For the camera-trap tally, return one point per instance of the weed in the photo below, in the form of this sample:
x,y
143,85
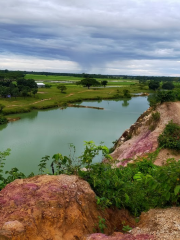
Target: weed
x,y
170,138
126,228
101,224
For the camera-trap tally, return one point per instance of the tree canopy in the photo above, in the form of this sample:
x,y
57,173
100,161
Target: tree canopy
x,y
62,88
168,85
88,82
104,83
154,85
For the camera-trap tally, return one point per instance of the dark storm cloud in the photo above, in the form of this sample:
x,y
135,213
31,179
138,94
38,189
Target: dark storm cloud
x,y
92,34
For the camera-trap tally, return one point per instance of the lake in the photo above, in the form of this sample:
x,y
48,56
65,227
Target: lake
x,y
47,132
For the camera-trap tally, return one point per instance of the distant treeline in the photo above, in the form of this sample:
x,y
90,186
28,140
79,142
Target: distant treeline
x,y
12,75
13,83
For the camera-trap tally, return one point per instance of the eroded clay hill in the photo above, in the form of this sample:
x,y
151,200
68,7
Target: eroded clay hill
x,y
143,140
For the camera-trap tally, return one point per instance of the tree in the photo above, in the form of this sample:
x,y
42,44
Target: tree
x,y
1,107
48,85
168,85
154,85
104,83
34,91
15,92
126,93
24,93
4,91
62,88
88,82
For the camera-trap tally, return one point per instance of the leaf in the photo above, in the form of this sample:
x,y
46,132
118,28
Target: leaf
x,y
127,198
138,176
176,190
168,196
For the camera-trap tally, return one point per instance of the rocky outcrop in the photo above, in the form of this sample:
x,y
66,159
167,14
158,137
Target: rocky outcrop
x,y
142,137
54,207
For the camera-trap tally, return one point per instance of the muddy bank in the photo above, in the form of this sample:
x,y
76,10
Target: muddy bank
x,y
81,106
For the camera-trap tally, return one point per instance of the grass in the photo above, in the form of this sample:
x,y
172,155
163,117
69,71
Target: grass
x,y
47,78
52,97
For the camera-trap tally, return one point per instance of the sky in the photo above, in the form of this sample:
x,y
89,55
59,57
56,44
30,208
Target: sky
x,y
117,37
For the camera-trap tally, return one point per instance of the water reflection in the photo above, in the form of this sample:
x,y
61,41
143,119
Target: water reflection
x,y
125,103
32,116
3,126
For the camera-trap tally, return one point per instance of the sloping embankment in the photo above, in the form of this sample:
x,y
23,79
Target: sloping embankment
x,y
139,140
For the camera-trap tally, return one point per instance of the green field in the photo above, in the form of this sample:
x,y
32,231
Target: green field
x,y
49,78
52,97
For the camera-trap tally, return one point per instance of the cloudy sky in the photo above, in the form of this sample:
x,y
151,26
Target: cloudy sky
x,y
133,37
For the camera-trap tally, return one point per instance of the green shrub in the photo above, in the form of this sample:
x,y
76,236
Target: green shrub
x,y
3,120
170,138
138,187
166,96
155,116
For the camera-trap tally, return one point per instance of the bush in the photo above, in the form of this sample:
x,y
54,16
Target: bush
x,y
170,138
166,96
137,187
163,96
155,116
168,85
3,120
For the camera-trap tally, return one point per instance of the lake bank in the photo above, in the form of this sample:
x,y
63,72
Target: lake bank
x,y
46,132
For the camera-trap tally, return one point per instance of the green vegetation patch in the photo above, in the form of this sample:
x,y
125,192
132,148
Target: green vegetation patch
x,y
170,138
3,120
138,187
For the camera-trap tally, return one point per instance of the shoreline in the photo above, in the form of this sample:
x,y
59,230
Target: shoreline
x,y
72,103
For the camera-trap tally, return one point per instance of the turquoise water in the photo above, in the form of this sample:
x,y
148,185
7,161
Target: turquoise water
x,y
41,133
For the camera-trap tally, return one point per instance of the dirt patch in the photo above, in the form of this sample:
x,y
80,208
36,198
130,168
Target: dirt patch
x,y
71,94
163,224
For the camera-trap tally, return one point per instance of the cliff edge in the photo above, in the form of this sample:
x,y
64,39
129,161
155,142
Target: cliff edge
x,y
142,137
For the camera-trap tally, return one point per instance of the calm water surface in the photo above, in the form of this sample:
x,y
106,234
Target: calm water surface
x,y
41,133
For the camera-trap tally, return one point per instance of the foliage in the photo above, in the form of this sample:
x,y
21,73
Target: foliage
x,y
34,91
12,174
71,164
104,83
3,120
62,88
88,82
170,138
48,85
163,96
43,164
153,121
126,93
126,228
166,96
156,116
154,85
3,156
101,224
21,87
138,187
168,85
1,107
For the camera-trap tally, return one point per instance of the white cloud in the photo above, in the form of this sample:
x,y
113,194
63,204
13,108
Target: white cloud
x,y
14,62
